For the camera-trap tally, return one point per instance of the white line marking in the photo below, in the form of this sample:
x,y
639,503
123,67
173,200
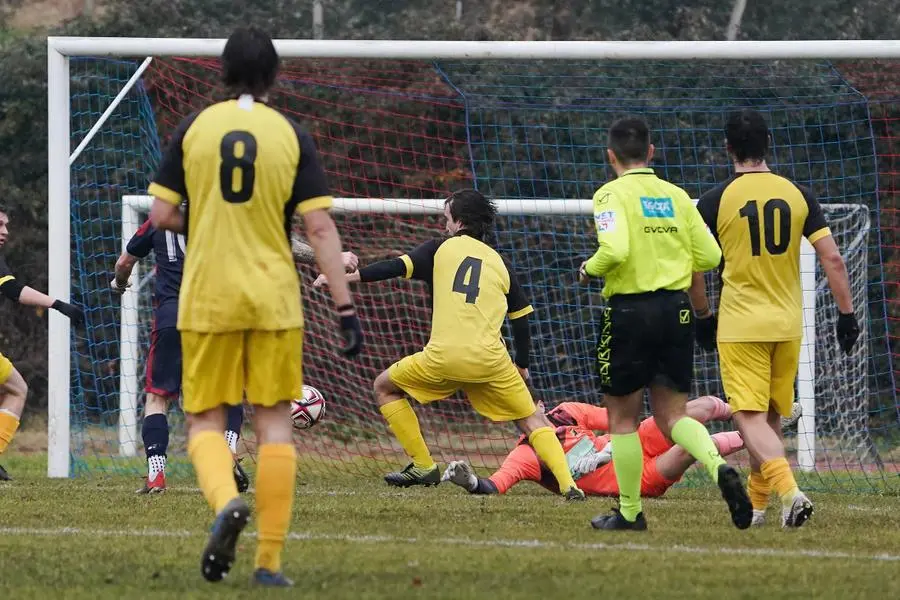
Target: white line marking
x,y
490,543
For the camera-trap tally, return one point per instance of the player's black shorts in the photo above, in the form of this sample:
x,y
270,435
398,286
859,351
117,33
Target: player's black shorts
x,y
164,363
646,339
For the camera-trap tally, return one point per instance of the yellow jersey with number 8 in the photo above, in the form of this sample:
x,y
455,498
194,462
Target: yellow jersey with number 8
x,y
243,169
759,220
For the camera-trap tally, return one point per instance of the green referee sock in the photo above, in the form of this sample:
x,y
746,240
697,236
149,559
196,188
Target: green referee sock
x,y
628,462
693,437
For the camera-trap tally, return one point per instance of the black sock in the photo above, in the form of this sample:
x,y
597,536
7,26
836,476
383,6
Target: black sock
x,y
155,433
233,426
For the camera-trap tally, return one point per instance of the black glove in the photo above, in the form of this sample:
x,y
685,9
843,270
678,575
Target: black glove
x,y
847,331
705,330
75,314
351,332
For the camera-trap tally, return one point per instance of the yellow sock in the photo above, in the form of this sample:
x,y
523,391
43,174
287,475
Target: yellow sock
x,y
402,419
759,490
546,445
213,464
778,473
9,423
275,475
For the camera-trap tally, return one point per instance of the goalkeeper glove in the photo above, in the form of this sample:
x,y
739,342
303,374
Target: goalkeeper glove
x,y
75,314
847,331
460,473
589,463
705,331
351,331
119,289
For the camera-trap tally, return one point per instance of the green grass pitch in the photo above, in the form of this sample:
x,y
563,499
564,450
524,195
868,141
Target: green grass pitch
x,y
92,537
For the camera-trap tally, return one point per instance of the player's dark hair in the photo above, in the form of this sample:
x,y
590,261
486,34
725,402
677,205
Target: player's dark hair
x,y
249,61
629,139
474,211
747,135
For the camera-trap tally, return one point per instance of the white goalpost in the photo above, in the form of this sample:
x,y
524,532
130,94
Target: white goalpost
x,y
61,156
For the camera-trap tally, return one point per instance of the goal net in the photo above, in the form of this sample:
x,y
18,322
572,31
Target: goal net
x,y
397,135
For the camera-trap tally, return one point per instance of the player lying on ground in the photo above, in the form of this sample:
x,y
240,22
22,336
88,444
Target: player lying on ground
x,y
163,381
650,241
245,170
761,303
590,454
13,389
473,289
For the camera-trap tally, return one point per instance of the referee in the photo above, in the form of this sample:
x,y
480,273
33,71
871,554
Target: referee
x,y
651,241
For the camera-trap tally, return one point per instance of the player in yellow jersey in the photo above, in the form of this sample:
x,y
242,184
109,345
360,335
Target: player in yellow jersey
x,y
245,170
759,219
13,389
651,240
473,289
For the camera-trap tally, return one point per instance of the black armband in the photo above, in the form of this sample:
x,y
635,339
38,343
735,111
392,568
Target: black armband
x,y
12,289
384,269
522,338
485,487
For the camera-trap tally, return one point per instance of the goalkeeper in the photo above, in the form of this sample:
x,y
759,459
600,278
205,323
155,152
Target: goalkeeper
x,y
651,238
590,455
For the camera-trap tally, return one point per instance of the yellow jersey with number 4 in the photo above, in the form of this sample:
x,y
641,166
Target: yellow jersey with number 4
x,y
243,169
473,290
759,220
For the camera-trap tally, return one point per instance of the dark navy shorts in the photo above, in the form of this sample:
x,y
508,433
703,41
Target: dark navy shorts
x,y
164,363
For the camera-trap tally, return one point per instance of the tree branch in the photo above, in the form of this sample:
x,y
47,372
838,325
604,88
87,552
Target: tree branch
x,y
737,14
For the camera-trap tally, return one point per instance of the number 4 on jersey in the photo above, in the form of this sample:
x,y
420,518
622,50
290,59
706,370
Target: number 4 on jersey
x,y
467,277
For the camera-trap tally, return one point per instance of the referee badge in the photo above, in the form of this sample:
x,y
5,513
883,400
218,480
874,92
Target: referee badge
x,y
684,317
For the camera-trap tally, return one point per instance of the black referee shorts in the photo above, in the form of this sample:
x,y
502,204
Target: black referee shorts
x,y
646,339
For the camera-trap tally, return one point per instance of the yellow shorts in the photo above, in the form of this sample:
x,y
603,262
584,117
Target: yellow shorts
x,y
504,398
220,367
6,369
759,375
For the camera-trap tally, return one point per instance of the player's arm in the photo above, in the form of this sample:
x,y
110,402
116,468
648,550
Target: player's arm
x,y
705,251
612,235
138,247
416,264
816,230
312,198
705,226
518,308
168,187
587,416
304,254
13,289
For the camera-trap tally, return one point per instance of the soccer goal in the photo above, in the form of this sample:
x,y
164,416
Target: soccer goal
x,y
401,123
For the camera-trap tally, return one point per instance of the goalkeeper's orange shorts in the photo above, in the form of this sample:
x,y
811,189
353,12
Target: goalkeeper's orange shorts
x,y
759,375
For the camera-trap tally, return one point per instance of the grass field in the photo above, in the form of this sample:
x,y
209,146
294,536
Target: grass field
x,y
354,538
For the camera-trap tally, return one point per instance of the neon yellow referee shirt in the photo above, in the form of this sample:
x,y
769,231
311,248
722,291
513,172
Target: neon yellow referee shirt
x,y
651,236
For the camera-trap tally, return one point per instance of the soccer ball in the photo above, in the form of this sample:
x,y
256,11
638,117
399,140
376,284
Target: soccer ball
x,y
308,410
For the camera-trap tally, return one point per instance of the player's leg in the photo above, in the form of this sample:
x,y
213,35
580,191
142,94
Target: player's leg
x,y
13,392
624,373
234,420
796,506
155,435
213,379
542,438
163,384
274,378
410,376
708,408
759,490
668,399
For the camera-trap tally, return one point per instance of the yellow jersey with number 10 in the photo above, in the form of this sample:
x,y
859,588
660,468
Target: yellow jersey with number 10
x,y
759,220
243,168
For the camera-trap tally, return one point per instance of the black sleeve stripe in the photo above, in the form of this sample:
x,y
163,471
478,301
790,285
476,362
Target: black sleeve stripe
x,y
815,218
